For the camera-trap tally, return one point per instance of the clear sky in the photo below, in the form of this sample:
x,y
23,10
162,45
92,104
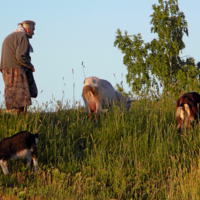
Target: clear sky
x,y
69,32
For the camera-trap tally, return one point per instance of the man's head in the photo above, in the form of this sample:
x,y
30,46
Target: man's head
x,y
29,26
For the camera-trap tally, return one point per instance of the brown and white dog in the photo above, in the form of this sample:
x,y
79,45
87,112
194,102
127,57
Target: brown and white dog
x,y
187,109
19,146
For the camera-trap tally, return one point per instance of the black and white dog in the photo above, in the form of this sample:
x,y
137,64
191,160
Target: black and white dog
x,y
21,145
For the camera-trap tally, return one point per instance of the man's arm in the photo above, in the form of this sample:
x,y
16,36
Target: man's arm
x,y
22,53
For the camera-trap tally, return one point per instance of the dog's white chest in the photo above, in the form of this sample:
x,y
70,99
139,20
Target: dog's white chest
x,y
21,154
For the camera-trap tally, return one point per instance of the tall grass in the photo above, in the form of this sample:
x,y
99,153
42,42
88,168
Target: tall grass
x,y
135,155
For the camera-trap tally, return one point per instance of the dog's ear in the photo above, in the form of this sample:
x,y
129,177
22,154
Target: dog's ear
x,y
37,135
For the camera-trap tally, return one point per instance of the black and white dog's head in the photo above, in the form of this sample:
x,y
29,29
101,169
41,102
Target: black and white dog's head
x,y
19,146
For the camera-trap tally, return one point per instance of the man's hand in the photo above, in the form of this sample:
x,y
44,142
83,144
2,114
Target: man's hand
x,y
32,68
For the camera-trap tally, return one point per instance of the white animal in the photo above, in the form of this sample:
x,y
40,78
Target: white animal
x,y
20,145
99,94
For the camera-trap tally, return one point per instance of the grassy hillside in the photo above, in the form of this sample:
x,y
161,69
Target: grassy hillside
x,y
139,155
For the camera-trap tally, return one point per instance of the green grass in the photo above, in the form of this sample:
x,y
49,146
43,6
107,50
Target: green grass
x,y
139,155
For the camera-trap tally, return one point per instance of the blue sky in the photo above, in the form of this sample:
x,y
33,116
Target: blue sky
x,y
70,32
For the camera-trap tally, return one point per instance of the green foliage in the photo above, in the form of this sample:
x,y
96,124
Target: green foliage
x,y
157,67
135,155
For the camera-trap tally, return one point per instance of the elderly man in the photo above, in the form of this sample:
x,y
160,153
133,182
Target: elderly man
x,y
17,69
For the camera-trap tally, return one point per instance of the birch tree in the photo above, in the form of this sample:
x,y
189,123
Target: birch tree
x,y
156,67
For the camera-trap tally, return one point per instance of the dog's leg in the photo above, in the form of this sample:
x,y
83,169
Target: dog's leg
x,y
28,160
35,164
35,160
4,166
